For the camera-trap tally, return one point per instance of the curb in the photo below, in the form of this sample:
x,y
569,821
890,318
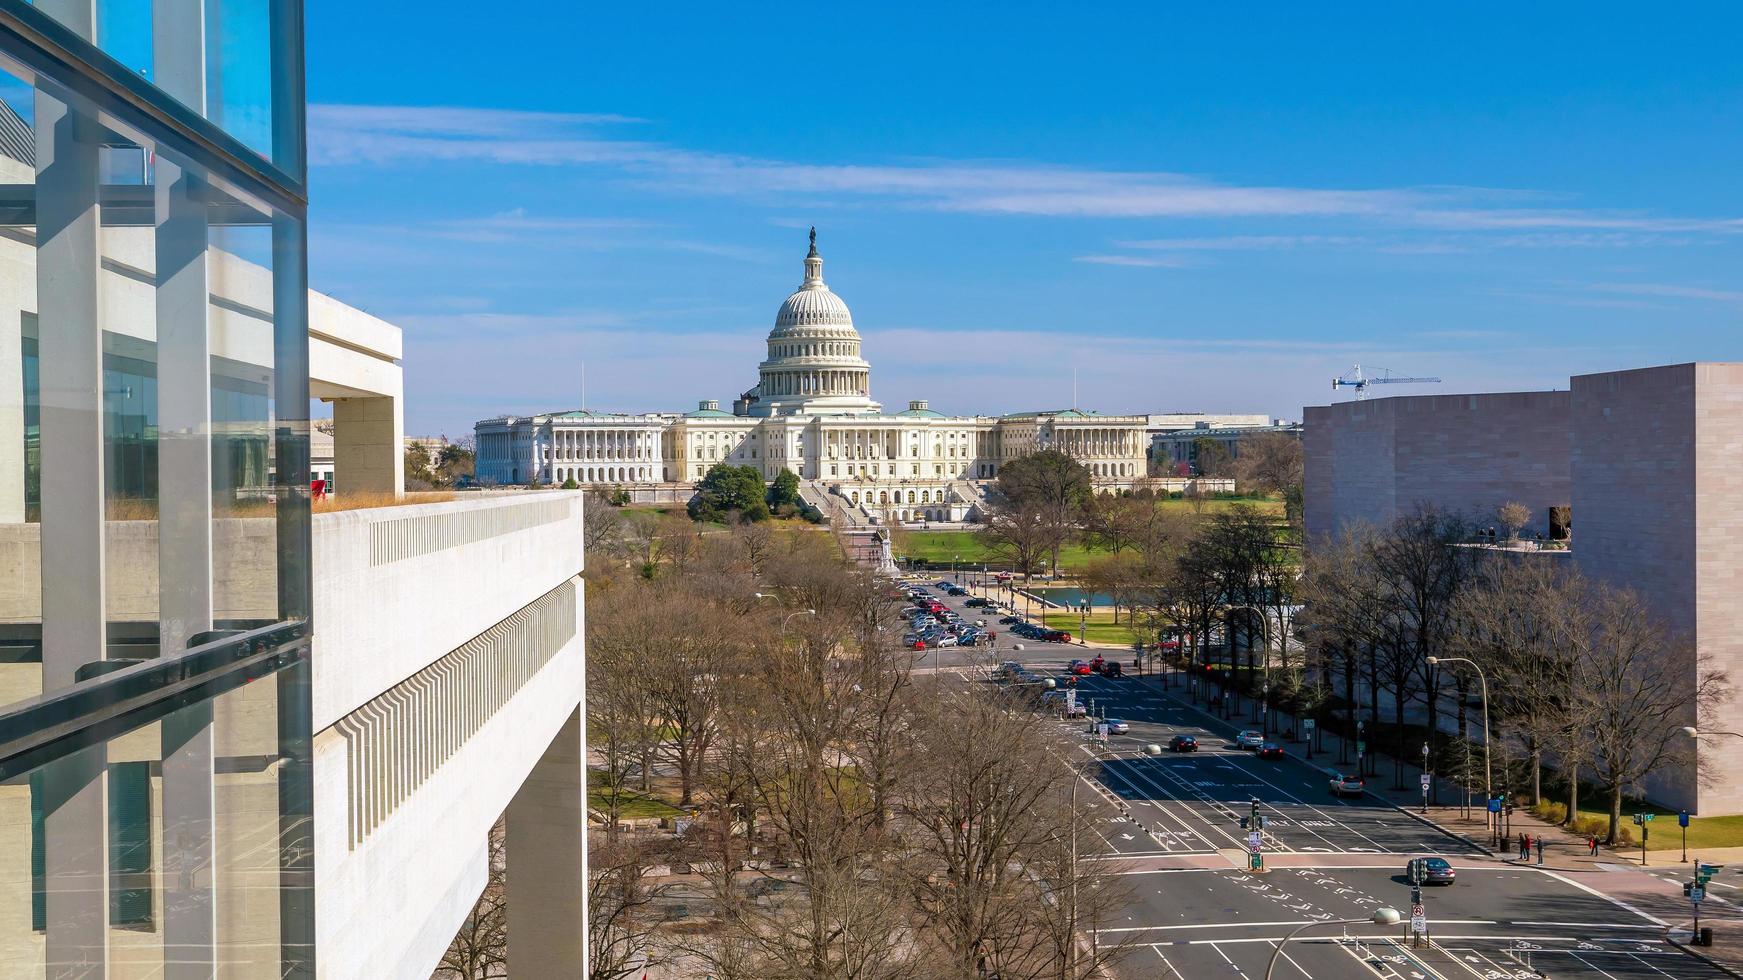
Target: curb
x,y
1704,958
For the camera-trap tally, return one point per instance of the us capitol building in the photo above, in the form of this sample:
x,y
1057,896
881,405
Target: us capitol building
x,y
811,412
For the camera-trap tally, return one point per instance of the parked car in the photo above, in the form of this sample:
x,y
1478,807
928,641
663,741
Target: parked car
x,y
1251,738
978,601
947,640
1056,636
1009,620
1270,750
1430,871
1183,743
956,590
1116,726
1348,785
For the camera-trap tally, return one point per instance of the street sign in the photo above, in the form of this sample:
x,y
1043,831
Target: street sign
x,y
1253,841
1697,894
1101,729
1307,725
1071,699
1494,806
1426,778
1361,747
1419,925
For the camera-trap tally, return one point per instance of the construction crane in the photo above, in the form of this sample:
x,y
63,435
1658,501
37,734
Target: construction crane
x,y
1381,376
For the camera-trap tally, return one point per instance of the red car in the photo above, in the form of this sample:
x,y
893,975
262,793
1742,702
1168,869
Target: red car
x,y
1097,664
1078,667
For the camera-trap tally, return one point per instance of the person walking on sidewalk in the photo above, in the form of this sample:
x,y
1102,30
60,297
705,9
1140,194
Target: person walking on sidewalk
x,y
1519,848
1591,845
1539,848
1525,852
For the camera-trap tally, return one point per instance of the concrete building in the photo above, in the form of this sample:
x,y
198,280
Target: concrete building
x,y
240,738
1646,459
811,413
1169,451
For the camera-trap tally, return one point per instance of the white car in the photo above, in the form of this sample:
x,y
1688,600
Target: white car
x,y
1116,726
1348,785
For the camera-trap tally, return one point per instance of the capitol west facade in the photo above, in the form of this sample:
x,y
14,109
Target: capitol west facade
x,y
811,412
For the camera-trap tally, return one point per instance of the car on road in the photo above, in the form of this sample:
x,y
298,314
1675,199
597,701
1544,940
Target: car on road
x,y
1116,726
956,590
1077,667
1183,743
1002,577
1098,663
1343,785
1270,750
1111,668
1251,738
1430,871
1009,620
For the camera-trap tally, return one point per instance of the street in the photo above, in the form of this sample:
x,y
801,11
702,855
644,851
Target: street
x,y
1197,912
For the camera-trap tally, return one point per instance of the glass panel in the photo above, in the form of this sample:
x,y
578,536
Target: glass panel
x,y
152,325
216,59
183,855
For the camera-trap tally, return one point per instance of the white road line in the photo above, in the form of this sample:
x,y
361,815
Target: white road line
x,y
1591,966
1583,925
1230,962
1613,901
1157,950
1291,960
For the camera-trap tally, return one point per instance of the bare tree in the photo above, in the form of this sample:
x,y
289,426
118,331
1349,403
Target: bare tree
x,y
480,949
620,917
1270,462
1513,516
1644,684
1021,534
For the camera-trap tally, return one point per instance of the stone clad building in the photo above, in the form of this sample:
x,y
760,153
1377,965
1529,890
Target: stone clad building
x,y
811,413
1650,463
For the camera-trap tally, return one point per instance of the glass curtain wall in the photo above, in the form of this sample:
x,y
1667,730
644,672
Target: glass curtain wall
x,y
154,510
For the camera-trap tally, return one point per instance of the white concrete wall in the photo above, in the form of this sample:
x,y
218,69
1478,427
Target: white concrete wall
x,y
388,602
377,622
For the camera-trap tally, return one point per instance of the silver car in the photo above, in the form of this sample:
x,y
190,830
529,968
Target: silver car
x,y
1116,726
1252,738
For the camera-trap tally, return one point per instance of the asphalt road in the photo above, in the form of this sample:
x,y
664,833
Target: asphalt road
x,y
1192,914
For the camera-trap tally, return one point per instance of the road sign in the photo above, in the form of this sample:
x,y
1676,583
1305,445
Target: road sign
x,y
1361,747
1708,869
1682,819
1071,699
1253,841
1419,925
1426,779
1307,725
1697,894
1416,910
1494,806
1101,729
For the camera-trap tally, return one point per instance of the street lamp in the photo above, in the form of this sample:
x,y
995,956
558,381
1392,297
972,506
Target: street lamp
x,y
1488,768
789,617
1697,733
1381,917
1265,685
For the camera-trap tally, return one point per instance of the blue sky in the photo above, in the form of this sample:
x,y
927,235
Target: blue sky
x,y
1196,209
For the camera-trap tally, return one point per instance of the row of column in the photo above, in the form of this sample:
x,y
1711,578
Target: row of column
x,y
571,444
1098,442
815,383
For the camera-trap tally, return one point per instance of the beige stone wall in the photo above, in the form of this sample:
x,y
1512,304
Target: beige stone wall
x,y
1371,460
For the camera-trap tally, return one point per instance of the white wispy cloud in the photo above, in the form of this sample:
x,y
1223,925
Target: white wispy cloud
x,y
392,135
1241,243
1135,261
1670,290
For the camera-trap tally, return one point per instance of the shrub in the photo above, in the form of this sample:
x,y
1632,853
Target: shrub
x,y
1551,812
1591,826
1624,835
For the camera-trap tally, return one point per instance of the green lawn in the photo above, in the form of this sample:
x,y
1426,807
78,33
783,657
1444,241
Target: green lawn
x,y
1101,627
632,805
1704,832
939,547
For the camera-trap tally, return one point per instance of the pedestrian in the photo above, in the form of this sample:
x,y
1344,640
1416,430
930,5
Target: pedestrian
x,y
1525,852
1519,848
1591,845
1540,849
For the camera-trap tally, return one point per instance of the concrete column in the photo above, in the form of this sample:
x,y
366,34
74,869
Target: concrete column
x,y
184,407
74,631
368,445
546,867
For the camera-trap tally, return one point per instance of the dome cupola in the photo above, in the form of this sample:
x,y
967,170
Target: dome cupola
x,y
814,364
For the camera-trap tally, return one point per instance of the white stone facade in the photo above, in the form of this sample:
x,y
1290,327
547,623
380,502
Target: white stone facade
x,y
811,413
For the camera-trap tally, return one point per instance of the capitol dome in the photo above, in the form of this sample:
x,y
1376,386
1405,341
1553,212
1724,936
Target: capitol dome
x,y
814,364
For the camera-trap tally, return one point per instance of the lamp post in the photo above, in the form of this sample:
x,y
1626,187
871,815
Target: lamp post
x,y
1381,917
1427,778
1265,685
1488,767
